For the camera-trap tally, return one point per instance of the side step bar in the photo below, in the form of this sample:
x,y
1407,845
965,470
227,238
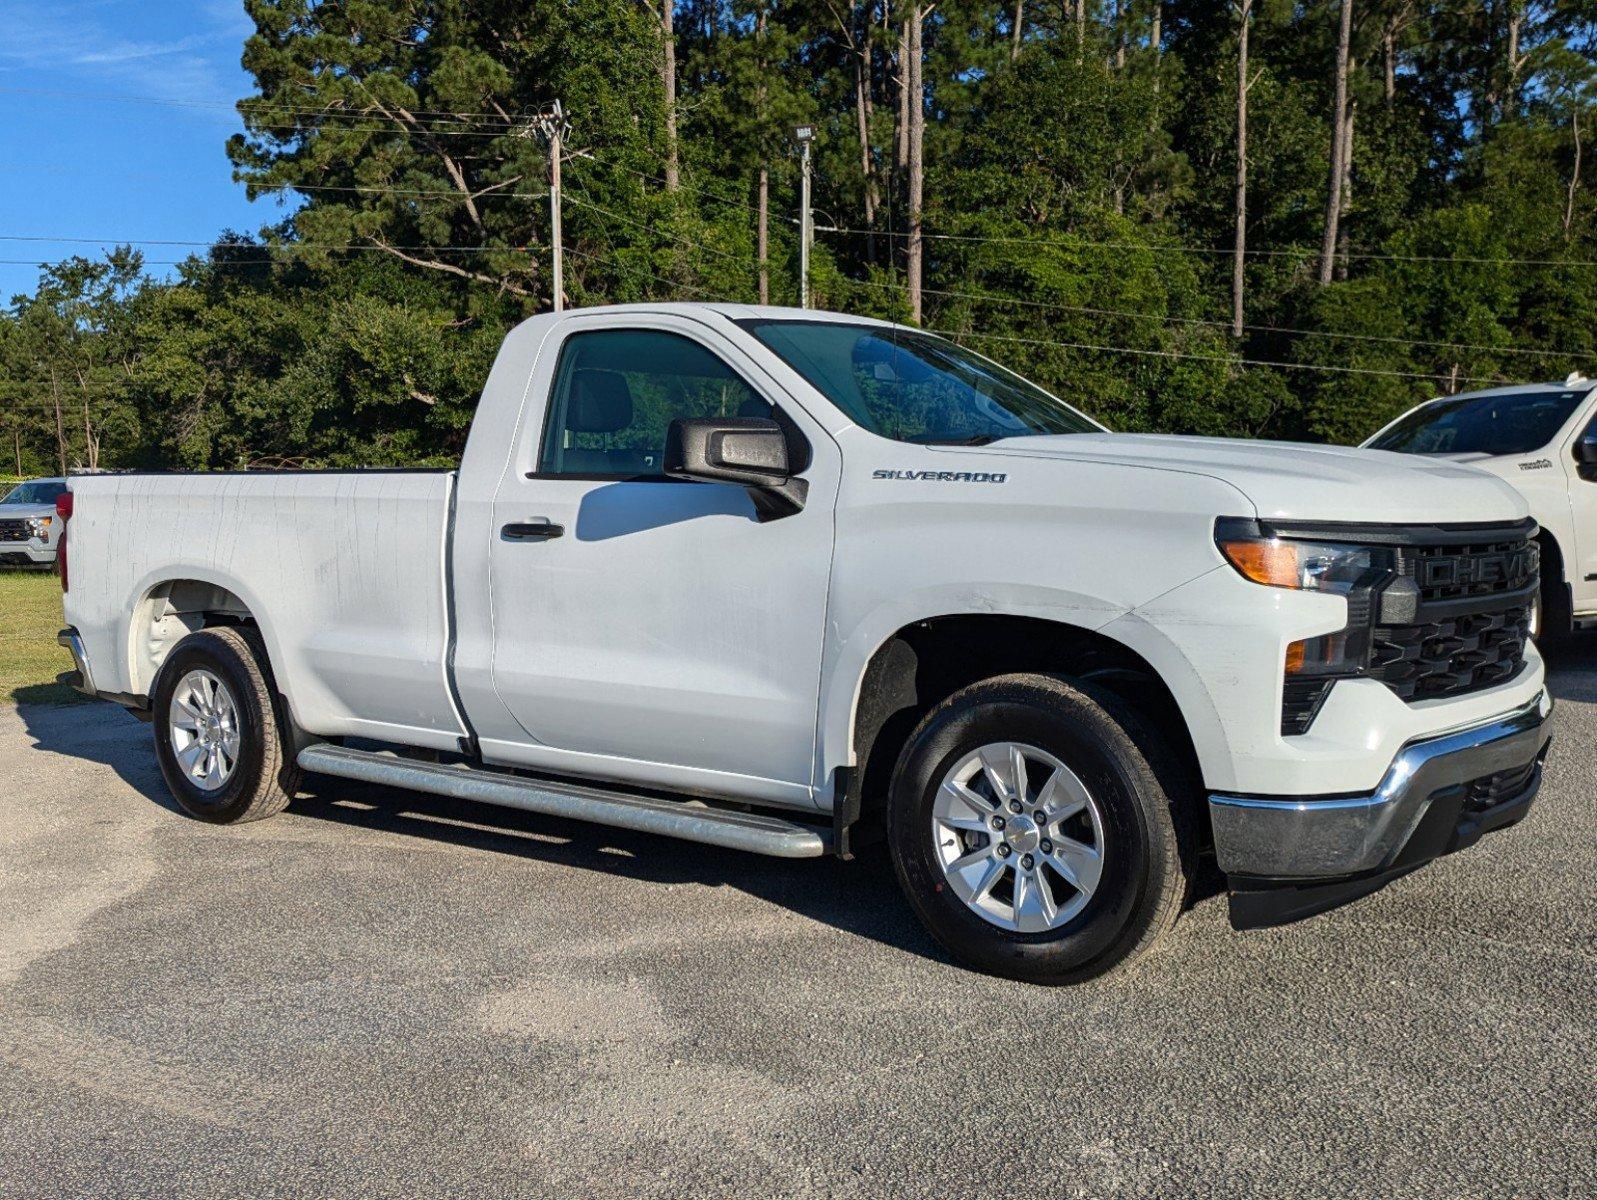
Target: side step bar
x,y
685,819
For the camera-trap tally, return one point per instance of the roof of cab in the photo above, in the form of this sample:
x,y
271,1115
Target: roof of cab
x,y
731,311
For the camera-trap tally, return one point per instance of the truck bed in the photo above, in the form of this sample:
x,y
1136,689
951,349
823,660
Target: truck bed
x,y
344,571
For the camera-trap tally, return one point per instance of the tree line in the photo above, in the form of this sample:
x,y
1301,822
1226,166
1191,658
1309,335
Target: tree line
x,y
1253,217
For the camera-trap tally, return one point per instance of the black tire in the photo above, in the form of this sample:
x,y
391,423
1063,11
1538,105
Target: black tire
x,y
264,778
1144,796
1550,615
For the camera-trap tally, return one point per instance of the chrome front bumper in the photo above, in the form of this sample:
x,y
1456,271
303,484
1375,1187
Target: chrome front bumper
x,y
1307,838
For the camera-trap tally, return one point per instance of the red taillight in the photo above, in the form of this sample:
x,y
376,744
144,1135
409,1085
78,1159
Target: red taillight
x,y
63,509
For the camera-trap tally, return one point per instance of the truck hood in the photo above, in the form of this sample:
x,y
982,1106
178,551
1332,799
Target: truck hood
x,y
1290,480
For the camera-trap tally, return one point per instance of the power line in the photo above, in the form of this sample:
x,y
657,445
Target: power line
x,y
581,202
476,118
497,125
1077,243
1216,358
499,128
1287,329
637,270
285,247
456,194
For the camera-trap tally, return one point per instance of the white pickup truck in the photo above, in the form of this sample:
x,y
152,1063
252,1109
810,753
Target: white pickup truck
x,y
29,524
789,581
1542,440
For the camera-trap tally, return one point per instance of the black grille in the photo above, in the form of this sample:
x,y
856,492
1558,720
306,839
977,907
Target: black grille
x,y
1480,569
1451,656
1489,791
13,531
1445,612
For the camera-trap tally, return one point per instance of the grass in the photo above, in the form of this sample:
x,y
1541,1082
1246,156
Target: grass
x,y
30,660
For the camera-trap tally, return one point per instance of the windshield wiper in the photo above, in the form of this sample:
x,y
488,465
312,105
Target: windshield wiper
x,y
976,439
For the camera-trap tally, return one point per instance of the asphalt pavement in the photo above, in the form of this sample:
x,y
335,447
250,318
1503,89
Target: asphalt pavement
x,y
383,994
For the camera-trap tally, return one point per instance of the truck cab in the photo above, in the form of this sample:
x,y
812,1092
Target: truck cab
x,y
1541,439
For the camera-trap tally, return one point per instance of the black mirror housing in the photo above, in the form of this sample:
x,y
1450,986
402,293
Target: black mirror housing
x,y
1586,449
751,451
747,450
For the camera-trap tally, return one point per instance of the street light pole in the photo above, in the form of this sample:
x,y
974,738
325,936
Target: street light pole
x,y
804,135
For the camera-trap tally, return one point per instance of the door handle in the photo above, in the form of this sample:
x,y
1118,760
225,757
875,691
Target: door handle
x,y
531,531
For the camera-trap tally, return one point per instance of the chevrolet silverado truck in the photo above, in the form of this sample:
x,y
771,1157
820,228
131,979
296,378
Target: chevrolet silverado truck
x,y
30,528
790,582
1542,440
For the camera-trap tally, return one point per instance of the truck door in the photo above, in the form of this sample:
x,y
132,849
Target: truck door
x,y
1582,553
646,628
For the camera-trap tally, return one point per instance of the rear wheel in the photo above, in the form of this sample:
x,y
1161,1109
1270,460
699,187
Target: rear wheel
x,y
220,740
1041,830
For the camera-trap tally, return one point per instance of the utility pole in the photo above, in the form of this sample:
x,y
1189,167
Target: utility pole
x,y
804,135
1239,253
60,426
1339,130
554,129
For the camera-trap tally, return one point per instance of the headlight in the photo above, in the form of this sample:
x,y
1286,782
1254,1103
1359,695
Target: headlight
x,y
1345,569
1336,567
39,527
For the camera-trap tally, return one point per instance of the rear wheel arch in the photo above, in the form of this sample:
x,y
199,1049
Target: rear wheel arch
x,y
167,612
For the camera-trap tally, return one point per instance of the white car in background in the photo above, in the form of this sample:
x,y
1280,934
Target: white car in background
x,y
1542,439
30,530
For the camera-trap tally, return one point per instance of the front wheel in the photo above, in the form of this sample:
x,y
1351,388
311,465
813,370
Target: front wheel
x,y
1040,830
221,743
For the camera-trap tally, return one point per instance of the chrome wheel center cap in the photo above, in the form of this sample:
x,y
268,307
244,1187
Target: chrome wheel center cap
x,y
1022,833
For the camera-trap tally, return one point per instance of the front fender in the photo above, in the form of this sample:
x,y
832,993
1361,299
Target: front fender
x,y
850,651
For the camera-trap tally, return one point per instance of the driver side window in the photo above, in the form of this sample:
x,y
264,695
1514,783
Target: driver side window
x,y
616,391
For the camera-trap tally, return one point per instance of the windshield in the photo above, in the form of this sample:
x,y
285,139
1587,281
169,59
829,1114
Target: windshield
x,y
39,491
1512,423
913,387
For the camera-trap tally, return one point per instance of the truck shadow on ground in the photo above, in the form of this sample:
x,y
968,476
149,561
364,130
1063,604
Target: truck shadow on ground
x,y
1572,667
860,897
100,732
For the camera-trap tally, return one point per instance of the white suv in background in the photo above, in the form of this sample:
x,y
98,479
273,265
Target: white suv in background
x,y
1542,439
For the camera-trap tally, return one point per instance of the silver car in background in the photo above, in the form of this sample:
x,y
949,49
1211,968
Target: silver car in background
x,y
30,530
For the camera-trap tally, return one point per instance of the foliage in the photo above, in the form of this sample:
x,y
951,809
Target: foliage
x,y
1079,197
30,658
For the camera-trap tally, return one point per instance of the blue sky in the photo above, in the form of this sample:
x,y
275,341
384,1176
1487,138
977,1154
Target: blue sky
x,y
77,161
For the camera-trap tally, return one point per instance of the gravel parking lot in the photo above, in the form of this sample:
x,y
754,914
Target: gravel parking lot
x,y
382,994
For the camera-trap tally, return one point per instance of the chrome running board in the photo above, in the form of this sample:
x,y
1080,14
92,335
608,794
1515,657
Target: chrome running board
x,y
686,819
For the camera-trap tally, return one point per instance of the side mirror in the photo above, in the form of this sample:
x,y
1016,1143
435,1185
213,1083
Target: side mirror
x,y
1586,448
751,451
